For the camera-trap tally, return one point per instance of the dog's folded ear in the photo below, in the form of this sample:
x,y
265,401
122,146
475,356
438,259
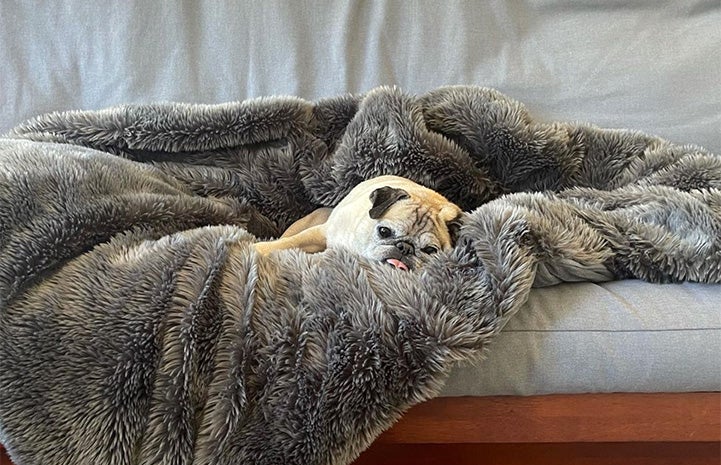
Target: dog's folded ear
x,y
382,199
454,228
453,217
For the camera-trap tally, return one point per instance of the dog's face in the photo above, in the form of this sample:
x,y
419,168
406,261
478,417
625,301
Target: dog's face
x,y
405,226
407,230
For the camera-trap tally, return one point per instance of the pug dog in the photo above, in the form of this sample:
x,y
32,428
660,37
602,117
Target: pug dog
x,y
388,219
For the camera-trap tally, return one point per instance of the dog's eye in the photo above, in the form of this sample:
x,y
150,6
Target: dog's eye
x,y
430,250
384,233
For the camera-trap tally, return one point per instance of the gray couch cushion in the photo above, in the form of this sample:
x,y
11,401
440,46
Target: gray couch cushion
x,y
625,336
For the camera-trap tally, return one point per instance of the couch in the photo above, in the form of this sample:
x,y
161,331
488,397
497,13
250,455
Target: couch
x,y
601,373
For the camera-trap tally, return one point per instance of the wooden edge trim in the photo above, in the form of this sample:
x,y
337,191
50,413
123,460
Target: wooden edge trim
x,y
622,417
4,459
594,453
573,418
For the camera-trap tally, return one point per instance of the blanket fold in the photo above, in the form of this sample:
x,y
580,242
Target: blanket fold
x,y
138,326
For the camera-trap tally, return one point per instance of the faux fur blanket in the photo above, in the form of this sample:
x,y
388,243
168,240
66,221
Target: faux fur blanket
x,y
137,325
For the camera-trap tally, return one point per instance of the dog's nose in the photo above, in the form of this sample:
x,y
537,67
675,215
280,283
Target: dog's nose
x,y
406,248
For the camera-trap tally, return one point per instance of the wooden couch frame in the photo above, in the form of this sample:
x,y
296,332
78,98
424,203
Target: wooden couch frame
x,y
579,429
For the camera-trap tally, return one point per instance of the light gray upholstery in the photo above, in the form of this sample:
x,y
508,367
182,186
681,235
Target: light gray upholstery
x,y
646,65
623,336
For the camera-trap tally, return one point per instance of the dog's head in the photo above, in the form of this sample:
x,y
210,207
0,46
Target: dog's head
x,y
409,226
406,225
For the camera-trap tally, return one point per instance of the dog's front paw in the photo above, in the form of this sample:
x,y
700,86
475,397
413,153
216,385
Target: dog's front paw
x,y
264,248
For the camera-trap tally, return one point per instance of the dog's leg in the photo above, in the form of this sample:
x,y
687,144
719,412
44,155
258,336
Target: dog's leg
x,y
315,218
309,240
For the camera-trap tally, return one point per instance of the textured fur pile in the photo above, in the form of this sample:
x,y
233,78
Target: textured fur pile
x,y
137,326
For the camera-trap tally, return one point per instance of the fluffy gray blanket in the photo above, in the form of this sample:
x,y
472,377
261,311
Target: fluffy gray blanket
x,y
137,325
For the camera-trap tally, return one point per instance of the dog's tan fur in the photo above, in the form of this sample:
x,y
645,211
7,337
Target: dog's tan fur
x,y
420,219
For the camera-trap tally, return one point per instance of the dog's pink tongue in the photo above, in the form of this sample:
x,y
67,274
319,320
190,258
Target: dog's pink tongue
x,y
398,264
